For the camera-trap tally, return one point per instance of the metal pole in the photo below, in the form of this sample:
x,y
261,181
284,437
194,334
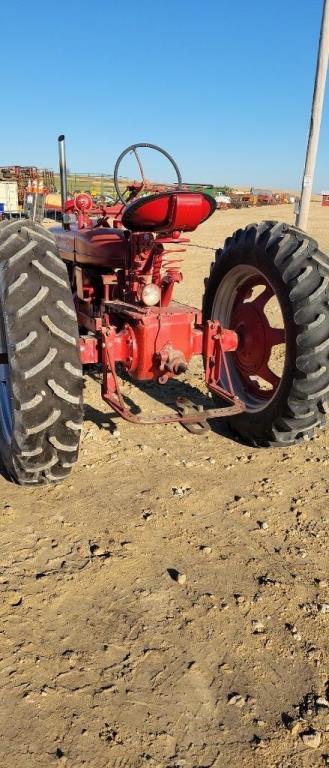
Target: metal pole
x,y
62,170
315,123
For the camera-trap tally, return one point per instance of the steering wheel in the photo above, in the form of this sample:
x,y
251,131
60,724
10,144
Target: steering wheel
x,y
133,148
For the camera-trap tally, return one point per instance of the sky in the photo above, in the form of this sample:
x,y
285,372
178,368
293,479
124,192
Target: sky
x,y
225,86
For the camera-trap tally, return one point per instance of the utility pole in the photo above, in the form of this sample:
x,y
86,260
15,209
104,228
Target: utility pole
x,y
315,122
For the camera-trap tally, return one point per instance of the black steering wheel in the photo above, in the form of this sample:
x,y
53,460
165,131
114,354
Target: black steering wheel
x,y
133,148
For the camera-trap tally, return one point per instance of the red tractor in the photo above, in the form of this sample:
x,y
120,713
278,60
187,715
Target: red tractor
x,y
99,291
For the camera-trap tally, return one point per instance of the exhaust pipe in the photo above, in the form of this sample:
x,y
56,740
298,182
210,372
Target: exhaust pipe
x,y
63,176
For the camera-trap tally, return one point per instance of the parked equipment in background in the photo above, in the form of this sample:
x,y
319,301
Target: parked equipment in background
x,y
99,291
8,196
242,199
262,196
26,176
325,198
34,205
223,202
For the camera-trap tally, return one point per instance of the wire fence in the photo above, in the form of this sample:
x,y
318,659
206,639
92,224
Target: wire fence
x,y
98,184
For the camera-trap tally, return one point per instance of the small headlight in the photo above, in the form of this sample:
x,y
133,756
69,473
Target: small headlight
x,y
151,295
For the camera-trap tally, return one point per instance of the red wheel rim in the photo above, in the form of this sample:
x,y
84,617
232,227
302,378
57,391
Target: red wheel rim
x,y
241,304
256,336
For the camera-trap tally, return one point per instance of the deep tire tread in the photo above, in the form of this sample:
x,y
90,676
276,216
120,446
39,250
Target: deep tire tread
x,y
303,271
43,345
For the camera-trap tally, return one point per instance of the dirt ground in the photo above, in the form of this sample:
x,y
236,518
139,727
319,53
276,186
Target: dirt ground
x,y
106,661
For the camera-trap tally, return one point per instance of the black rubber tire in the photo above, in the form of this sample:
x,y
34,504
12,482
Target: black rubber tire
x,y
44,385
299,274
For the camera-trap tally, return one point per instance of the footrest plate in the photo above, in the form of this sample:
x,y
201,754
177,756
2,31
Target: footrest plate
x,y
186,407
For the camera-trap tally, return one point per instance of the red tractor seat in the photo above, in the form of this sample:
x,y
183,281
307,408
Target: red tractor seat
x,y
168,211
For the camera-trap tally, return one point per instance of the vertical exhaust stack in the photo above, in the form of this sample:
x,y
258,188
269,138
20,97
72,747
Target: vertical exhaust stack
x,y
63,177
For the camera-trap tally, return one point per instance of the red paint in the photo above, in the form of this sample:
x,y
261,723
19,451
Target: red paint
x,y
110,266
168,211
256,337
83,202
151,334
90,351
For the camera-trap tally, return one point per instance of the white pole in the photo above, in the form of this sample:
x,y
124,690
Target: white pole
x,y
315,123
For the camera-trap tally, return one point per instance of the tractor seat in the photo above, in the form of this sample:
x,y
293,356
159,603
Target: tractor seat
x,y
168,211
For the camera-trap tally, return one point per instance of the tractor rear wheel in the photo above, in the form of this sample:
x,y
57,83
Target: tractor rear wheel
x,y
270,284
40,371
